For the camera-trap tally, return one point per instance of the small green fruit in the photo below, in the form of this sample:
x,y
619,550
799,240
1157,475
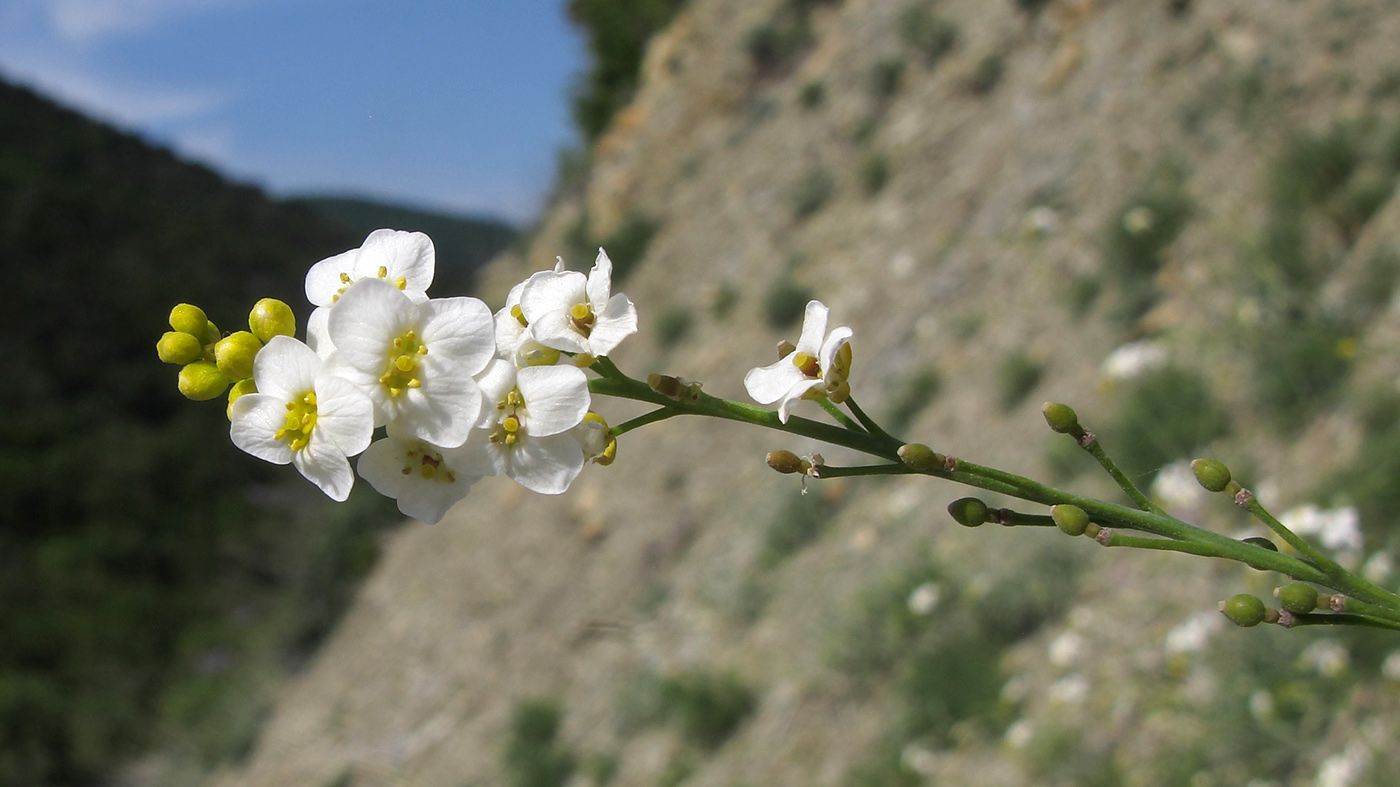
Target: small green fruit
x,y
1243,610
968,511
178,347
1298,597
919,456
188,318
784,461
235,353
1070,519
1060,417
1213,476
202,381
271,317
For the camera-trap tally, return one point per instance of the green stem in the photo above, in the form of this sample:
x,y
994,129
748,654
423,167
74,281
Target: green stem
x,y
865,420
659,414
1091,444
841,418
1008,518
1342,619
1370,610
827,471
1343,580
1114,538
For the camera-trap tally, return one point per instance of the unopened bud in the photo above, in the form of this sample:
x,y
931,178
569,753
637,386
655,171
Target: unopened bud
x,y
785,348
188,318
1072,520
1214,476
238,389
609,453
1297,597
235,353
1060,417
919,456
1244,610
179,347
211,334
271,317
786,462
584,360
202,381
968,511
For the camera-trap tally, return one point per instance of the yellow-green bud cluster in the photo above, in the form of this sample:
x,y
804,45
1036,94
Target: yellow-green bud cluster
x,y
1297,597
918,456
1245,610
209,361
1071,520
969,511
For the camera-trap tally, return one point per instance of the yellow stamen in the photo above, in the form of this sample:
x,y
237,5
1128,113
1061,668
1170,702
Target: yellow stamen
x,y
519,315
401,283
344,278
383,272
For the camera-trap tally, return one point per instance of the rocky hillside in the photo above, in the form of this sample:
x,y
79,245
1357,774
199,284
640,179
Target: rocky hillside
x,y
997,197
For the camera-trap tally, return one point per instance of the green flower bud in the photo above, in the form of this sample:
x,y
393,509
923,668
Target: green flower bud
x,y
271,317
1297,597
919,456
1244,610
785,462
238,389
665,384
202,381
1070,519
178,347
188,318
1060,417
235,353
1212,475
968,511
211,334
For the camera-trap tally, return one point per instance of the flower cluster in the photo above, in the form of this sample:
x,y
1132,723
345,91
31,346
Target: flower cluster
x,y
459,392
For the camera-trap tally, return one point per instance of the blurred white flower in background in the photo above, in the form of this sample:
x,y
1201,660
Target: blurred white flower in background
x,y
924,598
1326,657
1133,359
1194,633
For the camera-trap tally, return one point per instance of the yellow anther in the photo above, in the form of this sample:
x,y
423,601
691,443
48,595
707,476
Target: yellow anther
x,y
291,405
344,278
512,438
407,470
514,399
449,477
383,272
401,283
300,443
384,379
519,315
395,393
422,349
398,343
410,335
308,421
415,383
309,399
806,364
609,454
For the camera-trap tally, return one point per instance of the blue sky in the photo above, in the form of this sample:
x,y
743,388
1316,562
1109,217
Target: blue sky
x,y
451,105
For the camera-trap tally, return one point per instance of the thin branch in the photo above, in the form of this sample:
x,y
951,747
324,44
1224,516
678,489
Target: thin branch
x,y
865,420
841,418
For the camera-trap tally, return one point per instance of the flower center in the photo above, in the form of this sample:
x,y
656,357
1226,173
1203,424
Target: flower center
x,y
383,273
806,364
581,315
427,463
301,420
399,281
509,430
402,372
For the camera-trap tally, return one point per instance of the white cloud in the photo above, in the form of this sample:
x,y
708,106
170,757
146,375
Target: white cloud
x,y
83,21
210,144
127,104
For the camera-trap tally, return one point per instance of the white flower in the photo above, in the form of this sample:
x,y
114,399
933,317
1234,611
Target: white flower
x,y
1345,768
578,314
1066,649
1020,733
1133,359
817,369
1176,487
415,360
302,414
424,478
404,259
1192,635
1328,658
924,598
1338,529
529,415
515,341
1390,668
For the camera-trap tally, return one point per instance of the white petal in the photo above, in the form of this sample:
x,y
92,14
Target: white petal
x,y
323,281
325,466
367,383
813,329
546,464
833,344
318,332
600,282
461,328
344,413
768,384
548,291
556,329
592,437
406,254
428,500
285,368
366,320
794,396
508,333
382,466
495,383
444,409
254,419
481,457
615,323
556,398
